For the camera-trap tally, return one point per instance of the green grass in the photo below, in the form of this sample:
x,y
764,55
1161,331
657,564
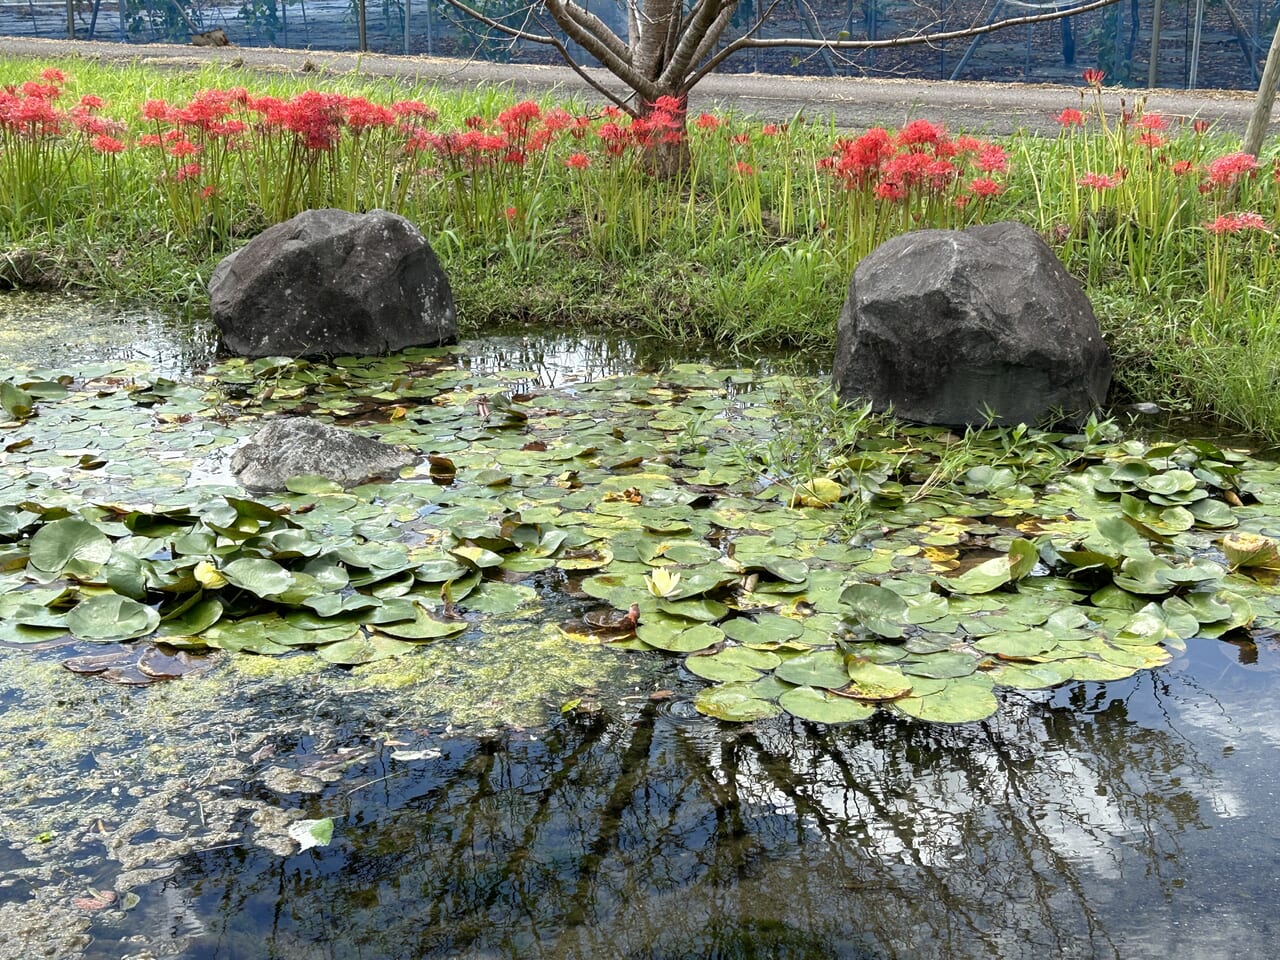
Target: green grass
x,y
752,245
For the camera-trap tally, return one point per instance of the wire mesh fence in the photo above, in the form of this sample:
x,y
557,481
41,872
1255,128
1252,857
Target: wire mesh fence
x,y
1200,43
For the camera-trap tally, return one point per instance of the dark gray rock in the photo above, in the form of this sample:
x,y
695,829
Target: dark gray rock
x,y
330,282
942,325
292,446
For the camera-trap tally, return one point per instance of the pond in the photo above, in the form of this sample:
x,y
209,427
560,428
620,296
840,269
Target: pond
x,y
516,787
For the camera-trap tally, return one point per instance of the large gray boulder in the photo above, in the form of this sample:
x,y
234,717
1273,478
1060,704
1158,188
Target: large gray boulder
x,y
292,446
330,282
943,325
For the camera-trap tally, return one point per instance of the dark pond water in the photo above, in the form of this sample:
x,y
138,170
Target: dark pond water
x,y
1128,819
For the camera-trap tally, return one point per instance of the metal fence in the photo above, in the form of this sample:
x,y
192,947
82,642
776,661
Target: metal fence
x,y
1192,43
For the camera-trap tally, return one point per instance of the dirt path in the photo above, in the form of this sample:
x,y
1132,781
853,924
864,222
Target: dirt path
x,y
993,108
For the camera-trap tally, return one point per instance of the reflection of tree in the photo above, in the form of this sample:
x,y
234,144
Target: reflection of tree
x,y
649,836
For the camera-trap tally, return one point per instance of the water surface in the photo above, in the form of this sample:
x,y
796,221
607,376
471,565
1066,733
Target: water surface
x,y
479,813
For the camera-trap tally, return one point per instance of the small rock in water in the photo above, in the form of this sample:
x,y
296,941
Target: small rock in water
x,y
295,446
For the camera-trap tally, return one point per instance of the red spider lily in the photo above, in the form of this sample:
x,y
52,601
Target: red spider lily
x,y
519,117
205,111
859,160
920,133
1071,118
1181,168
744,169
578,161
985,187
93,126
992,159
1237,223
91,102
707,121
511,213
157,110
1093,77
1200,127
414,108
29,117
740,139
557,119
53,75
40,91
1151,121
361,115
184,148
1227,170
209,190
188,172
1150,140
893,192
106,145
150,140
771,129
1101,181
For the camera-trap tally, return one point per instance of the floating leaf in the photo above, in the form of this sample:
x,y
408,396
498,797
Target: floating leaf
x,y
735,704
881,611
766,628
423,627
1251,550
111,618
876,681
820,668
821,706
70,547
985,577
960,701
676,636
261,577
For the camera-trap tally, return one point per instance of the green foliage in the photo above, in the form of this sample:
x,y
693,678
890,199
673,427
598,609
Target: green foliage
x,y
838,573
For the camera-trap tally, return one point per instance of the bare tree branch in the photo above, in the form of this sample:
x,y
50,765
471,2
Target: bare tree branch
x,y
550,41
622,69
708,21
917,38
598,29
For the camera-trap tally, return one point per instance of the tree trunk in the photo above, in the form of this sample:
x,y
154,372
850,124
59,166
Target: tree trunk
x,y
1257,129
667,149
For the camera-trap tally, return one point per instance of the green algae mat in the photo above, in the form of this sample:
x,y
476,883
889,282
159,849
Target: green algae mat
x,y
797,556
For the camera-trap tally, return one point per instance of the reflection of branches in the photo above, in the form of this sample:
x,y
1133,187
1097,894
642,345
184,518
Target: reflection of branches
x,y
629,836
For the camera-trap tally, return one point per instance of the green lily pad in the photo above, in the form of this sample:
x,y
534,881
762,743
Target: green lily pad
x,y
877,681
821,706
735,704
261,577
966,700
881,611
766,628
819,668
676,636
111,618
70,547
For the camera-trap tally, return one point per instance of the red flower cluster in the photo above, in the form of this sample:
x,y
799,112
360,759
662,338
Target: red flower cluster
x,y
1237,222
919,159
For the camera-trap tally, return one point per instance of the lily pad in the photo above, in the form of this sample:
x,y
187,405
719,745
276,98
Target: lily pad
x,y
821,706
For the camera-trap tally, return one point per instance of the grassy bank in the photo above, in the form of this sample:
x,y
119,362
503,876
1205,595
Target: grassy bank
x,y
132,182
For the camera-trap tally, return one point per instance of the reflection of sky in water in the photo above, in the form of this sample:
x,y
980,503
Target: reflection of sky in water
x,y
44,330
